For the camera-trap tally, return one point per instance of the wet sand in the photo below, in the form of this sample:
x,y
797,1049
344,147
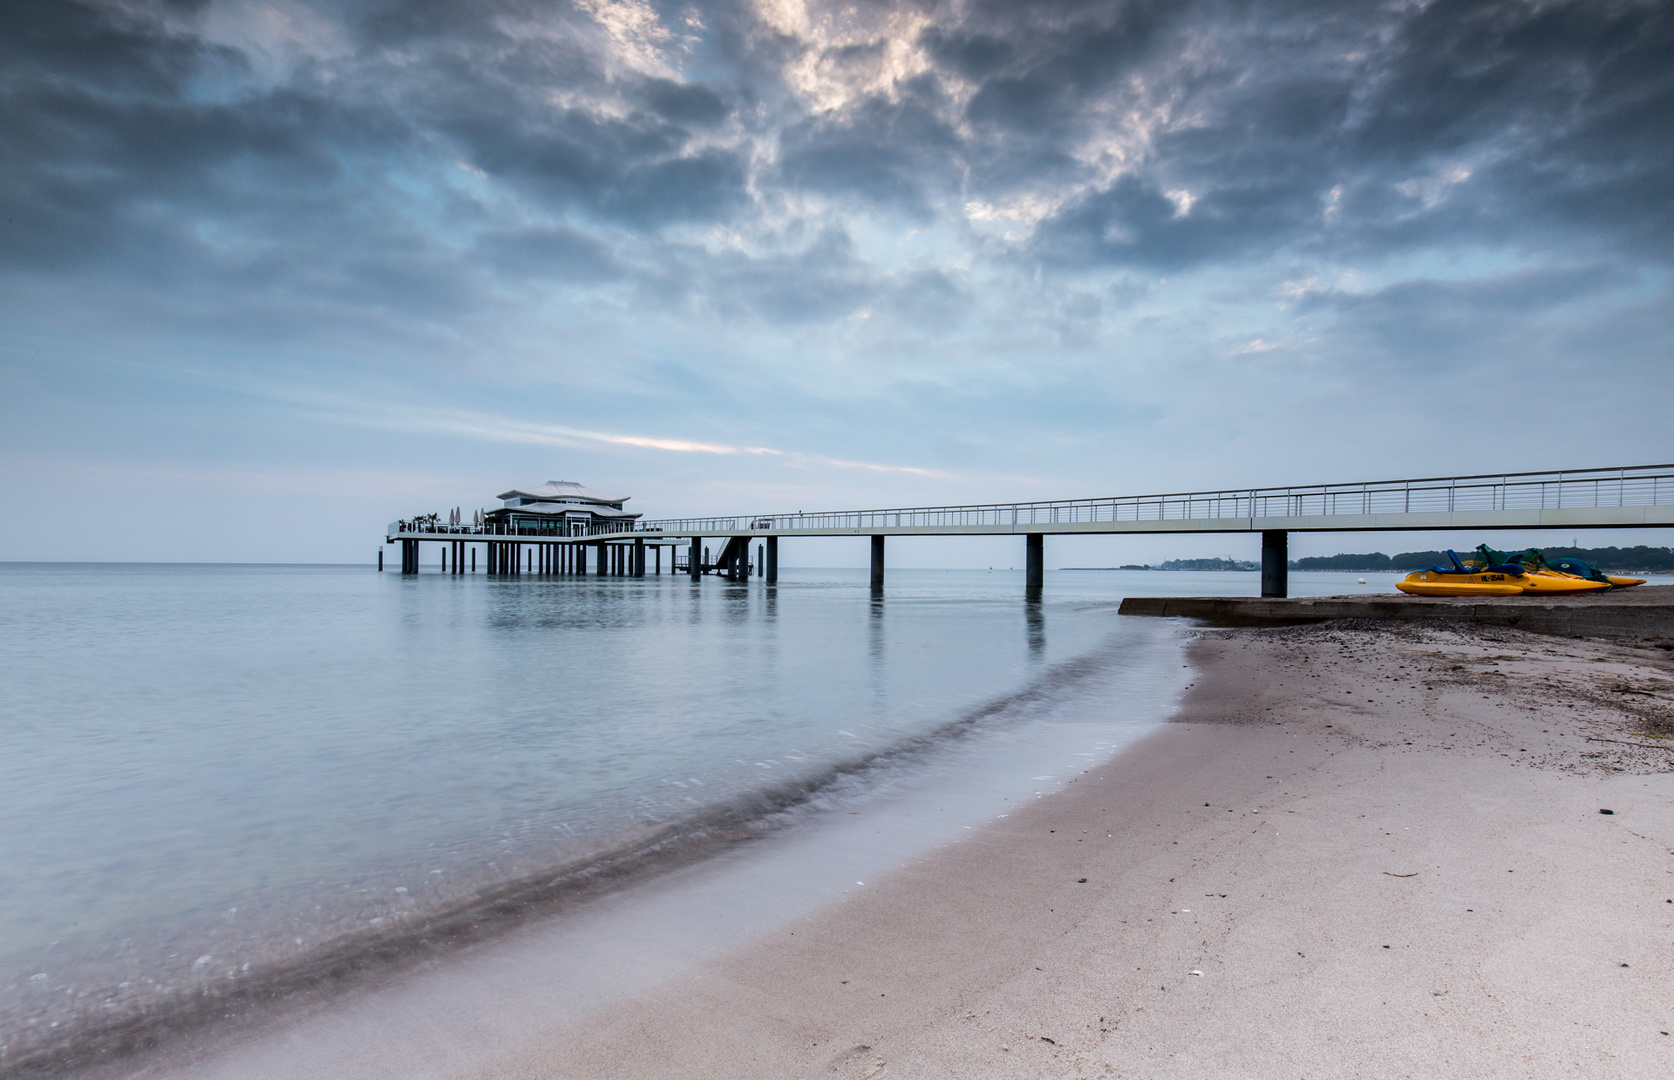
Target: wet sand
x,y
1358,850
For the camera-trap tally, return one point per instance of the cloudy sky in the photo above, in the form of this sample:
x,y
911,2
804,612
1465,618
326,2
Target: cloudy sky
x,y
278,262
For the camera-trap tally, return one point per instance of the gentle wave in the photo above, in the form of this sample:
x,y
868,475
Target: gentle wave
x,y
132,993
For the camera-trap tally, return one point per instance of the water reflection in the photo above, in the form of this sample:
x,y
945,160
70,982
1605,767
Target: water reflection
x,y
1034,619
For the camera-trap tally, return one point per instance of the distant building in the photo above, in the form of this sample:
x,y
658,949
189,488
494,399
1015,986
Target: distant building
x,y
572,508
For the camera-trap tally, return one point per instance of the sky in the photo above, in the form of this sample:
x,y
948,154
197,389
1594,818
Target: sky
x,y
273,274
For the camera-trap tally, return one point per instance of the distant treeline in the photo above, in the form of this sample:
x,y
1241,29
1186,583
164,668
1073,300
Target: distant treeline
x,y
1610,558
1198,564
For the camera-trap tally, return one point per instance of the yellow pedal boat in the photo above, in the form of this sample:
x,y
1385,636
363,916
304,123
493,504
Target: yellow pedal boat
x,y
1435,583
1492,583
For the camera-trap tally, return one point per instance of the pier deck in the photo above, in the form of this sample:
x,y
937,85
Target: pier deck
x,y
1640,496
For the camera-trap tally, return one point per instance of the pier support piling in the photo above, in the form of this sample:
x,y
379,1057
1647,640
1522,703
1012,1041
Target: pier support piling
x,y
771,559
380,560
694,561
877,562
1034,561
639,558
1275,565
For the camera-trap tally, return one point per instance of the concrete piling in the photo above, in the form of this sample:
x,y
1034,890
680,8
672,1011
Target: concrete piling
x,y
771,559
1275,565
1034,561
877,562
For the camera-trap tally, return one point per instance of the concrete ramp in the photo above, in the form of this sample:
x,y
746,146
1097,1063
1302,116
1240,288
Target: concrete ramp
x,y
1643,611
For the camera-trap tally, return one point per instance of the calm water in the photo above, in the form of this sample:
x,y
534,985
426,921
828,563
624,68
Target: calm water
x,y
209,770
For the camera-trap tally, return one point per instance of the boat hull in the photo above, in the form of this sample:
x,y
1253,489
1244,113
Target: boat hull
x,y
1549,583
1490,583
1428,583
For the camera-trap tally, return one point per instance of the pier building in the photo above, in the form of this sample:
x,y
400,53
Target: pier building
x,y
573,509
1638,496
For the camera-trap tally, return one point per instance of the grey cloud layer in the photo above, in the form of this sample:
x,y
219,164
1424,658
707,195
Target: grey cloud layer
x,y
438,145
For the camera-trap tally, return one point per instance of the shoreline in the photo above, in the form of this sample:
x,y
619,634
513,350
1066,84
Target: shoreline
x,y
1356,850
872,813
128,1027
1400,870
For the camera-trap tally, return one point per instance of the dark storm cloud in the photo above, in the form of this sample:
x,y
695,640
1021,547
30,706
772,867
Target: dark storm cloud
x,y
97,114
1160,135
128,133
562,253
1459,122
1427,322
822,280
881,152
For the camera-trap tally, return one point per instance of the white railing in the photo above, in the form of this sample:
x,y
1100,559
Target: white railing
x,y
1642,485
1647,485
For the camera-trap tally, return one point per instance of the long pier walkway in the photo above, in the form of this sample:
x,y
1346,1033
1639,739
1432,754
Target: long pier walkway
x,y
1626,497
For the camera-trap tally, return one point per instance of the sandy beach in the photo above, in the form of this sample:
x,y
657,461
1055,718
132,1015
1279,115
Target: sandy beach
x,y
1358,850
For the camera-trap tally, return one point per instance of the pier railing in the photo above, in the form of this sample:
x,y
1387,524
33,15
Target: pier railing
x,y
1649,485
1635,486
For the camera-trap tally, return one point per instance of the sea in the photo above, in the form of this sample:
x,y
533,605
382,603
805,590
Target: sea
x,y
224,781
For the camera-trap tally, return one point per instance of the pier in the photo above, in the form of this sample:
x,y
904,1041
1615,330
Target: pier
x,y
735,547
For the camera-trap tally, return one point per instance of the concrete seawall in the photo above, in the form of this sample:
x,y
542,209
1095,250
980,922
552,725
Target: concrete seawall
x,y
1645,611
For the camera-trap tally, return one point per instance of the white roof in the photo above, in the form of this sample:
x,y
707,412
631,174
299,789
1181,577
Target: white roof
x,y
571,508
563,490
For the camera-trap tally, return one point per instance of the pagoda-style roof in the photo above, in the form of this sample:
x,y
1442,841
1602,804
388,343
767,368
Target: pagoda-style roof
x,y
549,508
562,491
